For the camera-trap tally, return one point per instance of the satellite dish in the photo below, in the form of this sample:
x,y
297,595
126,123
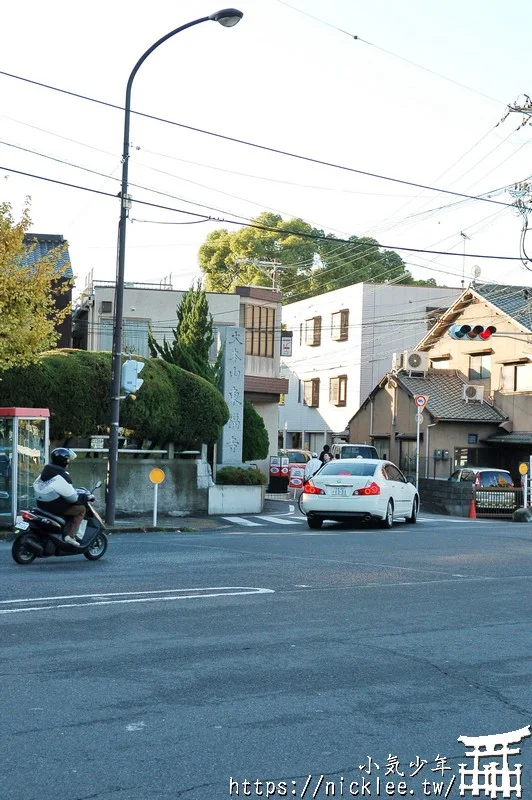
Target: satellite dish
x,y
476,271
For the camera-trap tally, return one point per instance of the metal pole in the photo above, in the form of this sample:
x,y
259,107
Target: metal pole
x,y
156,486
418,420
118,320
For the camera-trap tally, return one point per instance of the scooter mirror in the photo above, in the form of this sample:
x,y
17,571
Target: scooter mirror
x,y
97,485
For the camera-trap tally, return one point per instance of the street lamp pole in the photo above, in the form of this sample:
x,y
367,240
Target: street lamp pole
x,y
226,17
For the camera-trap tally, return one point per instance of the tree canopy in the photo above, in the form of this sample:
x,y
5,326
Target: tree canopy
x,y
308,262
192,337
28,313
172,406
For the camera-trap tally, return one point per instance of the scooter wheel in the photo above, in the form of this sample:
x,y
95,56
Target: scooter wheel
x,y
97,548
22,554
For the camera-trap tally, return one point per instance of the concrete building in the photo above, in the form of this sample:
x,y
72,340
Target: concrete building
x,y
342,345
254,308
479,407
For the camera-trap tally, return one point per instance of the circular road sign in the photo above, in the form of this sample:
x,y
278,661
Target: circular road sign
x,y
523,468
157,475
421,400
419,417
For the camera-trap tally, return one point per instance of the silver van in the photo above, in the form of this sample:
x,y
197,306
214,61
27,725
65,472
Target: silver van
x,y
353,451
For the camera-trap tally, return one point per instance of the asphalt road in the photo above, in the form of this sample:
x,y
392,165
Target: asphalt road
x,y
180,662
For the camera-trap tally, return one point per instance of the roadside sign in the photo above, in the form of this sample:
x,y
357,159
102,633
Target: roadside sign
x,y
419,417
157,475
421,400
523,468
297,476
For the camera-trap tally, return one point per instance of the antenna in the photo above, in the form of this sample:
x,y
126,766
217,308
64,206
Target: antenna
x,y
464,237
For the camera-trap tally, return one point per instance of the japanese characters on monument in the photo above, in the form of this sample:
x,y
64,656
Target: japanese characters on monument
x,y
233,359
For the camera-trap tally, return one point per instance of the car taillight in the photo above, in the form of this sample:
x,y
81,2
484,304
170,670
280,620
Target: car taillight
x,y
372,488
27,515
310,488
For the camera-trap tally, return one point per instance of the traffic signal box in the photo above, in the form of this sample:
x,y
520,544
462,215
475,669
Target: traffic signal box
x,y
130,382
478,332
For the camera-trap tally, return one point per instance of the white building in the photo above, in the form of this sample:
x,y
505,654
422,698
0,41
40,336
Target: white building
x,y
254,308
342,345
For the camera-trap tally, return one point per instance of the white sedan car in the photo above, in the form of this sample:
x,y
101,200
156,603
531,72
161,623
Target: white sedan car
x,y
359,488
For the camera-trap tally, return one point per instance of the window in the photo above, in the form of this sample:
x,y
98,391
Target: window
x,y
340,325
479,367
360,470
391,473
441,363
313,331
338,390
311,392
134,336
517,377
259,322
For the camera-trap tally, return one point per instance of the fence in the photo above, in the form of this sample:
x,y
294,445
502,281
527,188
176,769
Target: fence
x,y
497,502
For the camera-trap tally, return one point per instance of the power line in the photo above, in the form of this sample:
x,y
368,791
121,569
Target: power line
x,y
235,140
257,226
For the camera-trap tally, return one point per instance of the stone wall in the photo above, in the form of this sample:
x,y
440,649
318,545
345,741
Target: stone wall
x,y
184,490
445,497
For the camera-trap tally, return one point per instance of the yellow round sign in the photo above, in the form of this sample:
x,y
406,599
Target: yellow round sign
x,y
523,468
157,475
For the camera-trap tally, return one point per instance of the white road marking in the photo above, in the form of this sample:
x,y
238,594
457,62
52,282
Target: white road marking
x,y
278,533
242,521
280,521
159,595
135,726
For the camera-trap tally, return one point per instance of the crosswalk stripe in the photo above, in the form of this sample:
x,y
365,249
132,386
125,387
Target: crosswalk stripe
x,y
282,520
242,521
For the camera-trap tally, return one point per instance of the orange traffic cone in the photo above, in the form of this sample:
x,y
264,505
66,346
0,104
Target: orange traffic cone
x,y
472,509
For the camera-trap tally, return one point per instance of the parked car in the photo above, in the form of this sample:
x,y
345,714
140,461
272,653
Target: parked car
x,y
489,484
359,488
297,458
349,450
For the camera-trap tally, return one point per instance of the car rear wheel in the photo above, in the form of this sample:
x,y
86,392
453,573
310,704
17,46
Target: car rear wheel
x,y
387,522
412,519
314,522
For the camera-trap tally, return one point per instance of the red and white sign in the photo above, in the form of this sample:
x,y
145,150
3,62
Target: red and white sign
x,y
421,400
297,476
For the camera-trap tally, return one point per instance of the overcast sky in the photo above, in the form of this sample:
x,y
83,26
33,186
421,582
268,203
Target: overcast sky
x,y
283,79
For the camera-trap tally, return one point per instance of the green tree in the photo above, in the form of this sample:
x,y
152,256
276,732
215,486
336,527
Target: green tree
x,y
225,256
192,337
255,441
28,313
309,263
172,406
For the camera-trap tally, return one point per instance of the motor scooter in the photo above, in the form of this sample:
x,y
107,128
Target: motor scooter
x,y
40,533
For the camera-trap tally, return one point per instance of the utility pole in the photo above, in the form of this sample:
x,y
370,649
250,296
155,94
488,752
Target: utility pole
x,y
273,268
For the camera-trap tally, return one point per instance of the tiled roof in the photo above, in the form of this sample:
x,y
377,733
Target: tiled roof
x,y
444,390
42,244
517,437
516,301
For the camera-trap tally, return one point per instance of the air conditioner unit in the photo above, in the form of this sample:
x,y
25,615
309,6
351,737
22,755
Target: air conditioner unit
x,y
415,361
470,392
106,307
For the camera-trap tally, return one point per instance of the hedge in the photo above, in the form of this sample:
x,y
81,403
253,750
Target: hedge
x,y
172,405
255,441
239,476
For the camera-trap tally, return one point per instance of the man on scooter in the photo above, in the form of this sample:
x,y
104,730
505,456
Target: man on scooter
x,y
55,493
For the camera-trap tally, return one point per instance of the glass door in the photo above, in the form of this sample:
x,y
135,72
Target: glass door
x,y
31,457
6,471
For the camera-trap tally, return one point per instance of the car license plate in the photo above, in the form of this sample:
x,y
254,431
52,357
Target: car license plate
x,y
339,491
22,526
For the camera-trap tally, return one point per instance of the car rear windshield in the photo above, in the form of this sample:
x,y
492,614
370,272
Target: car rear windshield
x,y
353,451
496,479
297,458
361,469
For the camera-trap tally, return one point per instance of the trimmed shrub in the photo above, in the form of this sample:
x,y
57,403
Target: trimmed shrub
x,y
255,441
172,405
239,476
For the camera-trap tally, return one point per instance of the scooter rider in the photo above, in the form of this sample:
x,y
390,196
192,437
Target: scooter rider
x,y
55,493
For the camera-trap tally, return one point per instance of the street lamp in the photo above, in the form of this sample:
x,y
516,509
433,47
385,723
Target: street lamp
x,y
226,17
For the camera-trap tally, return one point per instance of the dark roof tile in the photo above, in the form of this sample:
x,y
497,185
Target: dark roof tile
x,y
444,390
